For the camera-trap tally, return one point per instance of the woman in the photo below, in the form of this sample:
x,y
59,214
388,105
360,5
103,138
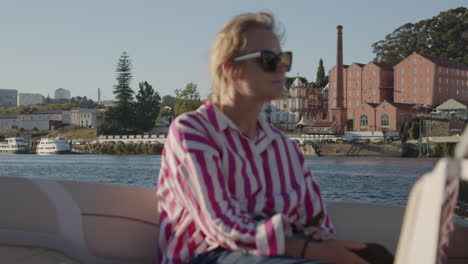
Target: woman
x,y
232,188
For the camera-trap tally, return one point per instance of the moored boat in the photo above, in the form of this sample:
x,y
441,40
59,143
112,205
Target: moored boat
x,y
48,146
14,145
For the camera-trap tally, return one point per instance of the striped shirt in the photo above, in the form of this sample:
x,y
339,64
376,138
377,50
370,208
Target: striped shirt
x,y
218,188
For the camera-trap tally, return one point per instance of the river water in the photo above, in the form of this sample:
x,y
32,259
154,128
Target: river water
x,y
373,180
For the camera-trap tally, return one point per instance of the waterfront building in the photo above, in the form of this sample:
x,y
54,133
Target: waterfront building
x,y
84,117
379,97
421,79
301,100
61,93
8,98
30,99
452,109
8,123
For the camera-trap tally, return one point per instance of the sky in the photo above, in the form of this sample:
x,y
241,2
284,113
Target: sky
x,y
51,44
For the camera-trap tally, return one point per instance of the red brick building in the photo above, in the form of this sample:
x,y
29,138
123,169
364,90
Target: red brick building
x,y
421,79
386,116
379,97
363,83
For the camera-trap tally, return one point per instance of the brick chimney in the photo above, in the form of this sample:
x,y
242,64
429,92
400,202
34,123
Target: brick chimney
x,y
339,67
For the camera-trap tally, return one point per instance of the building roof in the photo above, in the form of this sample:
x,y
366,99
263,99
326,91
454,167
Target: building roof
x,y
323,124
297,83
451,104
444,62
383,65
373,105
359,64
303,122
410,107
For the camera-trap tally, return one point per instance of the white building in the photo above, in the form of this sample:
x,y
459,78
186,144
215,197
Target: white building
x,y
8,123
84,117
30,99
452,109
287,111
61,93
39,120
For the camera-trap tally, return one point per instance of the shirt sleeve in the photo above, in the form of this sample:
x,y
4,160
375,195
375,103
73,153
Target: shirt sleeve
x,y
314,204
202,189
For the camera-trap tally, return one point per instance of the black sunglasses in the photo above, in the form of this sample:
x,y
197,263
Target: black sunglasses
x,y
269,61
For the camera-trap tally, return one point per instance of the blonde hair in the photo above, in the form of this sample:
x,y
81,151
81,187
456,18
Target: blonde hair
x,y
231,41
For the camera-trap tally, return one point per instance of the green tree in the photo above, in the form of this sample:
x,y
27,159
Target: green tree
x,y
147,107
124,94
321,79
443,36
168,100
187,100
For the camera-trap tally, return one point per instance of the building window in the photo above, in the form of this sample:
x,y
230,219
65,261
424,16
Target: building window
x,y
357,103
357,74
440,90
414,61
384,123
427,100
446,70
357,92
350,103
373,82
402,100
349,92
373,73
363,123
414,100
414,70
349,83
427,79
427,69
457,91
414,90
350,74
402,80
415,80
373,92
365,74
427,89
402,70
402,90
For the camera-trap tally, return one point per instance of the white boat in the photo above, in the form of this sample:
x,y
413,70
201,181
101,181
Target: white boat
x,y
14,145
48,146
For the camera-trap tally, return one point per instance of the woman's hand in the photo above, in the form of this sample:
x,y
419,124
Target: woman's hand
x,y
335,251
314,232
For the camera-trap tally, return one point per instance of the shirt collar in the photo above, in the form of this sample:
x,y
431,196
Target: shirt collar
x,y
220,121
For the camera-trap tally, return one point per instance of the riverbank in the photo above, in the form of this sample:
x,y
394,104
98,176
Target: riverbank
x,y
120,149
356,150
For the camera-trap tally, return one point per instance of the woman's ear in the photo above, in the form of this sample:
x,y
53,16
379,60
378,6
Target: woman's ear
x,y
230,71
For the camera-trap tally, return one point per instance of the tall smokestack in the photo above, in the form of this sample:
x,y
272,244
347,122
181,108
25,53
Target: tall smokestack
x,y
339,67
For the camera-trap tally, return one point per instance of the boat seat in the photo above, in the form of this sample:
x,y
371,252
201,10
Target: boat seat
x,y
87,222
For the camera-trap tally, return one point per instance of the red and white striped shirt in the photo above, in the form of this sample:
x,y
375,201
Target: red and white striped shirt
x,y
218,188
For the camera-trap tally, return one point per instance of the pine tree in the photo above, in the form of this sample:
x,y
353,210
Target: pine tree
x,y
321,79
123,93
